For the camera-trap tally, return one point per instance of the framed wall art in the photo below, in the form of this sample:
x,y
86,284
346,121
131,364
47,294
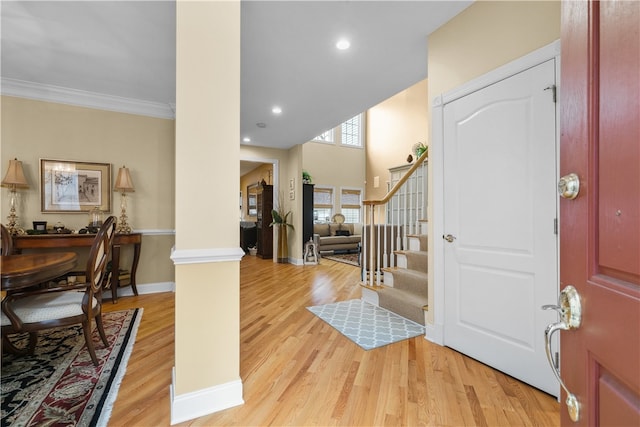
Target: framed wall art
x,y
70,186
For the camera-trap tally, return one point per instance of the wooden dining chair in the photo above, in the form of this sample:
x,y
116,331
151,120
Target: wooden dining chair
x,y
45,308
6,240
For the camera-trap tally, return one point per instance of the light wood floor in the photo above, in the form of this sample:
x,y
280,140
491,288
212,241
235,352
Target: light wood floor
x,y
297,370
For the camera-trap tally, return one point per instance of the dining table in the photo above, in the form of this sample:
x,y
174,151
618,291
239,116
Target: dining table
x,y
25,270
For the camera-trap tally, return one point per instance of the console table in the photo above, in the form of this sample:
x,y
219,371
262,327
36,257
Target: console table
x,y
41,241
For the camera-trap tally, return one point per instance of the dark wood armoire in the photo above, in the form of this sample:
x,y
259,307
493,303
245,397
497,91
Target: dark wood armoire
x,y
264,238
307,213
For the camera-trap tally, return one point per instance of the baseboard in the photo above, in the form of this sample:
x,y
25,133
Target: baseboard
x,y
147,288
434,333
204,402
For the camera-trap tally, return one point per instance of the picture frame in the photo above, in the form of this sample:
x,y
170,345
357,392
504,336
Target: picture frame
x,y
252,199
74,186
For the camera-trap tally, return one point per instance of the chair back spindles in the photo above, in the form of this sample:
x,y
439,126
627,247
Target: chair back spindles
x,y
7,241
99,254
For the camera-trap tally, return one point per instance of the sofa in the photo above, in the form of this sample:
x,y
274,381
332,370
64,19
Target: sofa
x,y
333,237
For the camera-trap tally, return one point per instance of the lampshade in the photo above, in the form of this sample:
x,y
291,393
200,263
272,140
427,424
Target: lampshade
x,y
123,181
15,175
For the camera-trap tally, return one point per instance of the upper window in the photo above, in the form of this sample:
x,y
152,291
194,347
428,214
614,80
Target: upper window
x,y
325,137
351,132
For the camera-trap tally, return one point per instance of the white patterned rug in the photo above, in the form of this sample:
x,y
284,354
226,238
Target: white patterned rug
x,y
365,324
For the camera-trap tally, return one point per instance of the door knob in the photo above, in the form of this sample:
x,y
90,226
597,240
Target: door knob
x,y
569,186
570,311
449,238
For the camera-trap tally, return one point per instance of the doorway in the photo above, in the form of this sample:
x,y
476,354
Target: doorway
x,y
498,216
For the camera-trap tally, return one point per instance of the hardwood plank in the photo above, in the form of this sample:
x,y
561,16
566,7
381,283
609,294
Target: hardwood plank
x,y
297,370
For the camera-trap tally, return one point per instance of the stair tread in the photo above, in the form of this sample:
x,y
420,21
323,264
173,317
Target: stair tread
x,y
407,272
407,251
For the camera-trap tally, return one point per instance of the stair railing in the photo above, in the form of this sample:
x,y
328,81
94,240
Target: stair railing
x,y
389,221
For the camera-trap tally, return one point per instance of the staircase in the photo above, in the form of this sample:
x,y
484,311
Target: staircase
x,y
394,256
403,289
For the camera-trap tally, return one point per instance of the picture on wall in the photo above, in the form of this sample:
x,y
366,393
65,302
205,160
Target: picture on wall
x,y
70,186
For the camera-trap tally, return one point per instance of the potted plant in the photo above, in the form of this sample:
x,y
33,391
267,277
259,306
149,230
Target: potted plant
x,y
420,148
306,178
280,220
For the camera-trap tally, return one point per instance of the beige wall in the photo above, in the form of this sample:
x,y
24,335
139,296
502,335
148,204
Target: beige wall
x,y
35,129
393,127
334,165
483,37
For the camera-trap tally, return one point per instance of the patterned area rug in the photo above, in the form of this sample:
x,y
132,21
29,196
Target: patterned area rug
x,y
344,258
365,324
58,384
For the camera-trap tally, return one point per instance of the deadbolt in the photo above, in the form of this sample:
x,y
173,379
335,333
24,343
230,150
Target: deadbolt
x,y
569,186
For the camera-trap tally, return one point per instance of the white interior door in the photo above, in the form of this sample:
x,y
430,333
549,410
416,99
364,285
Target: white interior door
x,y
500,208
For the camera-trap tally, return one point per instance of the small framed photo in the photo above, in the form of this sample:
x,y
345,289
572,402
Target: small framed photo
x,y
70,186
292,184
292,195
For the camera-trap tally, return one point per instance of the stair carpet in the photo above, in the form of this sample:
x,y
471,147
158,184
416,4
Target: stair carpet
x,y
405,287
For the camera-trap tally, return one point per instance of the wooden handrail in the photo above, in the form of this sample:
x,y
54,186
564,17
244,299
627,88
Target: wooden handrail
x,y
398,184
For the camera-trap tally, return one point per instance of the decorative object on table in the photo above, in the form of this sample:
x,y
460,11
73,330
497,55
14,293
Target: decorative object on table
x,y
14,179
95,220
280,219
419,148
124,184
40,225
68,186
306,178
58,227
365,324
60,379
310,252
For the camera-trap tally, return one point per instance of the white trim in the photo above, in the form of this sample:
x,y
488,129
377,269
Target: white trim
x,y
200,256
147,288
434,333
203,402
296,261
156,232
538,56
64,95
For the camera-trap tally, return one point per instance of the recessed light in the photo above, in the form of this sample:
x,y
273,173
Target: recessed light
x,y
343,44
246,139
276,110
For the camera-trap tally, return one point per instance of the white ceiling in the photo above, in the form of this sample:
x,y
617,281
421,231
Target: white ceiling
x,y
126,49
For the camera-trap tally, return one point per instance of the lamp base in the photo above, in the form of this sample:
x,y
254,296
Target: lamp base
x,y
122,227
13,227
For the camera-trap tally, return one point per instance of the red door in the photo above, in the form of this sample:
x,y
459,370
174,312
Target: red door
x,y
600,229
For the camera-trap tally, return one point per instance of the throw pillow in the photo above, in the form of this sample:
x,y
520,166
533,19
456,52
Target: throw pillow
x,y
342,233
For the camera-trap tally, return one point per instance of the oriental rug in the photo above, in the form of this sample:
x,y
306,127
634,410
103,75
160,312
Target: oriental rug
x,y
365,324
352,259
59,384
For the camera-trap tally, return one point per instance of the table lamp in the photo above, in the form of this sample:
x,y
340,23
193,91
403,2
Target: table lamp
x,y
14,179
124,185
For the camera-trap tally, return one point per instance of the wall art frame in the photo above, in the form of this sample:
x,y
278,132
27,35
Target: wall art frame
x,y
74,186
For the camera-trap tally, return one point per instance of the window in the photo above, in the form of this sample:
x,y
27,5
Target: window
x,y
351,132
350,205
325,137
322,204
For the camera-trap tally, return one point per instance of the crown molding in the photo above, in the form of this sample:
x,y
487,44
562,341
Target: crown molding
x,y
81,98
